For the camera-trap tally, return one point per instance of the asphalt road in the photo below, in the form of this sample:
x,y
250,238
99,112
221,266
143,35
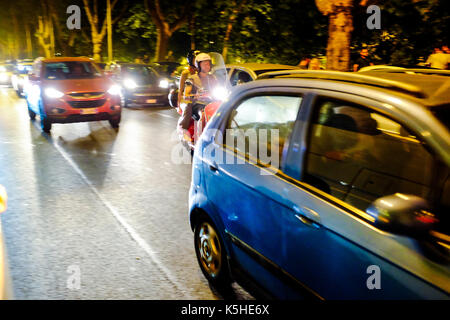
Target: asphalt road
x,y
95,213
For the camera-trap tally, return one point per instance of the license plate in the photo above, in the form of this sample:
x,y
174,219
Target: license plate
x,y
150,101
88,111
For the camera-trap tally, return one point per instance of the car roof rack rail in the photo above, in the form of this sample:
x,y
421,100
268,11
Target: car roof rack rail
x,y
349,77
434,72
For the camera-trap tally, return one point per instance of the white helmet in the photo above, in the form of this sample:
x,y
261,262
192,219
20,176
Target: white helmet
x,y
201,57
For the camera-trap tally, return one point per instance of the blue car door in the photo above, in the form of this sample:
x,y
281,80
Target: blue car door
x,y
345,159
242,188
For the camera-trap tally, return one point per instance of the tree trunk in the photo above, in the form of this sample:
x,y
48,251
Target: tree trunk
x,y
97,47
164,29
339,37
231,20
43,35
192,27
226,39
52,37
29,42
162,44
17,42
339,32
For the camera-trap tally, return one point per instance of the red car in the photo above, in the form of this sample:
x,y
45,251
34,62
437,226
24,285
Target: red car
x,y
65,90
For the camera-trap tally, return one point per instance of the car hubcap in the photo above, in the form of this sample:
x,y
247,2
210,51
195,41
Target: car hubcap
x,y
209,249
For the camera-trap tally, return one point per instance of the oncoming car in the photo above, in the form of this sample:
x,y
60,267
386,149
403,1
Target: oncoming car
x,y
141,84
327,185
64,90
20,76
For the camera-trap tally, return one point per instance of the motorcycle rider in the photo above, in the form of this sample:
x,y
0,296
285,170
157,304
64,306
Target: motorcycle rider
x,y
195,84
185,74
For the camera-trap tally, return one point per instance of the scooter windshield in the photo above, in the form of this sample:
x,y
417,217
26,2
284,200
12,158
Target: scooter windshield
x,y
222,89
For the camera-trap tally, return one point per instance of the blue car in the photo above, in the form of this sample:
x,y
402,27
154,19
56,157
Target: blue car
x,y
327,185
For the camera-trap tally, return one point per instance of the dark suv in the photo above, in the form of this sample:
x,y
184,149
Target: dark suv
x,y
141,84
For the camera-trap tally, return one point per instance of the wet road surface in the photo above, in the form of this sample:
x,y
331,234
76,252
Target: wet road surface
x,y
107,205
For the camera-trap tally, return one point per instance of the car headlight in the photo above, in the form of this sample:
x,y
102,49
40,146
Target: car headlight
x,y
114,90
164,84
53,93
129,83
220,93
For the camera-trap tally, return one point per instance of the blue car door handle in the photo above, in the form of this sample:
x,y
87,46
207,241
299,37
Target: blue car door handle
x,y
307,216
213,167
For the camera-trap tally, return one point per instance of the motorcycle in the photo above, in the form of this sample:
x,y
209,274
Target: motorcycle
x,y
204,104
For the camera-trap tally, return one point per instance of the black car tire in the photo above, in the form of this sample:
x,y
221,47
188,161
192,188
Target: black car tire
x,y
31,112
209,250
46,124
114,122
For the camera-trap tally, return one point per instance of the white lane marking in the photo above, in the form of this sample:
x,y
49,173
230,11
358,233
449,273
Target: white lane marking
x,y
136,237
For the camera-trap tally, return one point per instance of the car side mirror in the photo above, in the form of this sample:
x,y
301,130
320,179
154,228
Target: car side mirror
x,y
402,214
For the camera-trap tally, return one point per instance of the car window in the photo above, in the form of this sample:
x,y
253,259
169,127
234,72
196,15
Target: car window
x,y
24,68
358,155
442,113
264,123
239,77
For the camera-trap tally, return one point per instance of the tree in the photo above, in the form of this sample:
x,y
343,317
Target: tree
x,y
137,33
340,29
98,32
235,11
167,22
45,32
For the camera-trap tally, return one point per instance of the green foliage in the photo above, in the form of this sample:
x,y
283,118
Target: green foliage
x,y
278,31
409,31
137,24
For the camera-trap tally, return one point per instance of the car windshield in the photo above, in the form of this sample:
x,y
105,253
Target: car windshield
x,y
24,68
71,70
166,68
443,114
140,74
